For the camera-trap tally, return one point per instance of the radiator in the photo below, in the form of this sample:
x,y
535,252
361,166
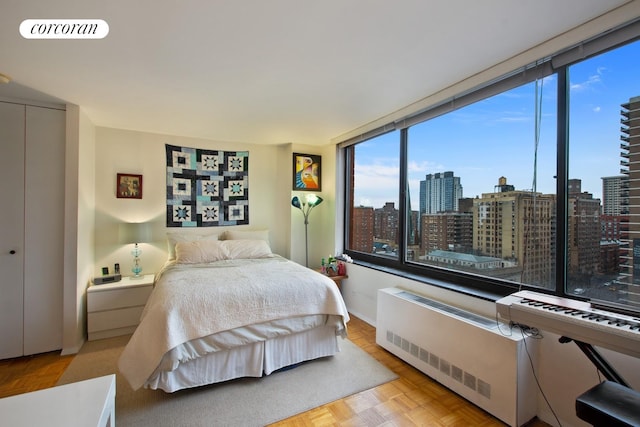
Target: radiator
x,y
467,353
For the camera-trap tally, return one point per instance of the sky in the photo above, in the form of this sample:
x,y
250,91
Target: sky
x,y
497,137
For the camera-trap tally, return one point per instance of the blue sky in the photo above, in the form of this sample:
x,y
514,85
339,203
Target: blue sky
x,y
496,137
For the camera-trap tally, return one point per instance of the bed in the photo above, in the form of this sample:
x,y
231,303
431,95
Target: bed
x,y
227,309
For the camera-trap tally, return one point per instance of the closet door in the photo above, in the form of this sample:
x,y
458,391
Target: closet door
x,y
44,229
12,124
31,229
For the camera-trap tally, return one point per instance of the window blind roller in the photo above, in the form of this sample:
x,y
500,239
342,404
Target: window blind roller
x,y
522,76
609,40
502,84
368,135
538,70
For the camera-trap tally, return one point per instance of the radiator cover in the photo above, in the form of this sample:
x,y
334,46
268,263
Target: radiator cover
x,y
467,353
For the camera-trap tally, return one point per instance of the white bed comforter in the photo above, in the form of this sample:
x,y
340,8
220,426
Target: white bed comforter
x,y
196,300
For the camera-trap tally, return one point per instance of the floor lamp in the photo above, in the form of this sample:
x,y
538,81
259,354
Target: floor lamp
x,y
305,207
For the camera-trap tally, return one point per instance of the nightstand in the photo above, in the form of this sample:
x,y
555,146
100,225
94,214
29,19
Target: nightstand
x,y
114,309
337,278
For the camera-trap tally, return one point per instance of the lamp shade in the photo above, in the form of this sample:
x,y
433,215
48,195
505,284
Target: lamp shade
x,y
134,232
313,200
296,202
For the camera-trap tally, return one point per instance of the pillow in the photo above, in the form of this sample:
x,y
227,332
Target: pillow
x,y
199,251
179,236
247,235
247,249
203,251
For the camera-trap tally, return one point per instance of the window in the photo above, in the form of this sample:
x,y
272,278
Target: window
x,y
374,215
489,208
604,170
495,189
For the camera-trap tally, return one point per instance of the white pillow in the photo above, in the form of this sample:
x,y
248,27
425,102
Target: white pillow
x,y
200,251
247,235
174,237
247,249
203,251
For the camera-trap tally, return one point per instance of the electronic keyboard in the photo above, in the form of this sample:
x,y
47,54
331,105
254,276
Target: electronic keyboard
x,y
574,319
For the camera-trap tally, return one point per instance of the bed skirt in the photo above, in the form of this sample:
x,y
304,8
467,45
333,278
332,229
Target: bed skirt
x,y
250,360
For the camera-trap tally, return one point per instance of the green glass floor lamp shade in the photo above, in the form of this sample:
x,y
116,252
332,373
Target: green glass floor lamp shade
x,y
135,232
310,202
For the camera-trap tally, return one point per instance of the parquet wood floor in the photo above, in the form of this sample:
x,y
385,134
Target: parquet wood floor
x,y
411,400
31,373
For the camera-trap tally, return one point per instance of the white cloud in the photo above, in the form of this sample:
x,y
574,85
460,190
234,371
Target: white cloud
x,y
422,168
365,202
513,117
376,183
592,80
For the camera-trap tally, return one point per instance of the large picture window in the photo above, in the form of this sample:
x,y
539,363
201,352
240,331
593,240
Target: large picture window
x,y
530,182
483,178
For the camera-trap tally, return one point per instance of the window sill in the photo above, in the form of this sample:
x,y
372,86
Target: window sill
x,y
423,278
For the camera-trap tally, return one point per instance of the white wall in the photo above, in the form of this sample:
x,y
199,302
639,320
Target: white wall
x,y
322,242
563,370
79,225
122,151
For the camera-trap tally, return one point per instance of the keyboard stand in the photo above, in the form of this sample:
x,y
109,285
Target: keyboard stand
x,y
611,403
596,358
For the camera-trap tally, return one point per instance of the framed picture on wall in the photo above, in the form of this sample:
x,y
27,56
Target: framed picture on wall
x,y
307,172
129,186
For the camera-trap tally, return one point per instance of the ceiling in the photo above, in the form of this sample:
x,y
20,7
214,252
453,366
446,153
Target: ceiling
x,y
269,71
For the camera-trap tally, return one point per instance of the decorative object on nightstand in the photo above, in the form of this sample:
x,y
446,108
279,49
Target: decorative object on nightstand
x,y
109,278
336,268
330,267
310,202
135,232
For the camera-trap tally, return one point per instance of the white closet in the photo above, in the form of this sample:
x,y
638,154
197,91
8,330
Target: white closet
x,y
32,140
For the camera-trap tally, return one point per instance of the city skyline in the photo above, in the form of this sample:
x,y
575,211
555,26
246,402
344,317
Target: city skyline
x,y
496,137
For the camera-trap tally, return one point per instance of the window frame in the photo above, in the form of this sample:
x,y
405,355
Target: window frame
x,y
468,283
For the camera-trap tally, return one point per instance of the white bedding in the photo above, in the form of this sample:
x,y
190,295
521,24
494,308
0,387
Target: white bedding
x,y
190,302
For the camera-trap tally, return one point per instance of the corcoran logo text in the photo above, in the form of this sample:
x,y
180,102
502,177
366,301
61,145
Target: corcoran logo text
x,y
64,29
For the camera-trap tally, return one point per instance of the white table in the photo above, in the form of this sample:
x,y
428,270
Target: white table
x,y
83,404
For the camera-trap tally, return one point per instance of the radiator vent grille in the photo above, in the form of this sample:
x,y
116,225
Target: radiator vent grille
x,y
484,389
444,366
475,318
463,351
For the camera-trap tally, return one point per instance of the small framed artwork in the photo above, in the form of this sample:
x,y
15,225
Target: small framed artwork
x,y
307,172
129,186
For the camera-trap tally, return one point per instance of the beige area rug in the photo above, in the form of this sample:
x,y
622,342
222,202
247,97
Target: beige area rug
x,y
242,402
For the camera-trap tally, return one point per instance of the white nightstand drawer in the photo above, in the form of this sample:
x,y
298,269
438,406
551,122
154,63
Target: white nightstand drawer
x,y
114,319
114,309
118,298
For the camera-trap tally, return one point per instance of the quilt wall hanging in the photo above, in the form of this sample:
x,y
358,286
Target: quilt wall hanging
x,y
207,188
